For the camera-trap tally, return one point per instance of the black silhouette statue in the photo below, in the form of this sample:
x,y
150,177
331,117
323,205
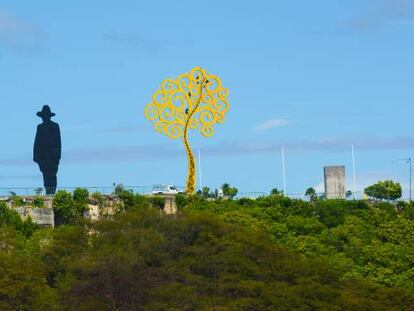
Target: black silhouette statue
x,y
47,149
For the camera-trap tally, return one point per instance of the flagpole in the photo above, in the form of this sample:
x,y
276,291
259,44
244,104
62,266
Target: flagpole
x,y
284,170
353,169
199,170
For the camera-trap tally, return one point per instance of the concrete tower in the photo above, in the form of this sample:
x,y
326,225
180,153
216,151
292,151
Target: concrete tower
x,y
335,182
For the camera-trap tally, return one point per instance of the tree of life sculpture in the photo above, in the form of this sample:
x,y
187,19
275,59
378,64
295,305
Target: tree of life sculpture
x,y
196,100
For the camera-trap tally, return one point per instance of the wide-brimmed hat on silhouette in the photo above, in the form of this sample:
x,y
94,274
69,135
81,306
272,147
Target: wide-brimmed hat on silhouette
x,y
46,112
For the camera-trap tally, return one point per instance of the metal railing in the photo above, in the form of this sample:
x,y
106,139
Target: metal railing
x,y
358,195
27,191
32,191
143,190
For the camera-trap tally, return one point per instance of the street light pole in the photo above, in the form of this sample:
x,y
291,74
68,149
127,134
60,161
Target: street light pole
x,y
353,169
199,170
411,177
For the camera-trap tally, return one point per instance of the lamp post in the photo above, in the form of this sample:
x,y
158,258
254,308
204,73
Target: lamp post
x,y
410,164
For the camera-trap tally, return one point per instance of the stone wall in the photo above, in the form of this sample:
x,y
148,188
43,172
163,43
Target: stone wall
x,y
107,206
170,208
44,217
103,207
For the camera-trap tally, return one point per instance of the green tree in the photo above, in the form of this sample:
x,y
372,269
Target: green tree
x,y
384,190
22,284
81,200
205,192
272,253
64,208
18,200
199,261
181,200
157,202
126,196
38,201
276,191
229,191
311,193
9,217
29,227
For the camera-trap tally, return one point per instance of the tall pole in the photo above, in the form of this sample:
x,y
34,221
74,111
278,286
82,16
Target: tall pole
x,y
199,169
284,170
411,179
353,169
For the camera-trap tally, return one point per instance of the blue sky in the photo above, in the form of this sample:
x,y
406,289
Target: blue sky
x,y
315,76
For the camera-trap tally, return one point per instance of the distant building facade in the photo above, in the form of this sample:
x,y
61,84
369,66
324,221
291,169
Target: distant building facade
x,y
335,182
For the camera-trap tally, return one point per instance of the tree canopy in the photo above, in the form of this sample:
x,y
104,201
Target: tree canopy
x,y
384,190
311,193
272,253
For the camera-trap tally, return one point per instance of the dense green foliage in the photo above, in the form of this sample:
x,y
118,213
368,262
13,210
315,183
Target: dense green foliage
x,y
10,218
311,193
385,190
272,253
81,199
38,201
70,206
374,242
64,208
229,191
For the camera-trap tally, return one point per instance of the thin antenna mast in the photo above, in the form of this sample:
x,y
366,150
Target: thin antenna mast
x,y
284,170
199,169
354,169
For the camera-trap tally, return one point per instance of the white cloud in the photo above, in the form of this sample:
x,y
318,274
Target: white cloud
x,y
382,13
17,33
269,124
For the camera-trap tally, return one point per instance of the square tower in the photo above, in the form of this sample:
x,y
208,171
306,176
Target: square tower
x,y
335,182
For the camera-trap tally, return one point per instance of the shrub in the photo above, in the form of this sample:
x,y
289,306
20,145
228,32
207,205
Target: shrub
x,y
157,202
81,200
10,218
38,201
229,191
64,208
18,201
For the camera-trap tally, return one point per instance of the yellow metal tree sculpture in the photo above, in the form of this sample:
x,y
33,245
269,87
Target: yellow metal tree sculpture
x,y
196,100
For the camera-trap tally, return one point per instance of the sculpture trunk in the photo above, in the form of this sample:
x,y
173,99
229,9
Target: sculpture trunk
x,y
191,177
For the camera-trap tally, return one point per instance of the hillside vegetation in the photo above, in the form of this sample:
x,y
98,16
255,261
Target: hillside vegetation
x,y
272,253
